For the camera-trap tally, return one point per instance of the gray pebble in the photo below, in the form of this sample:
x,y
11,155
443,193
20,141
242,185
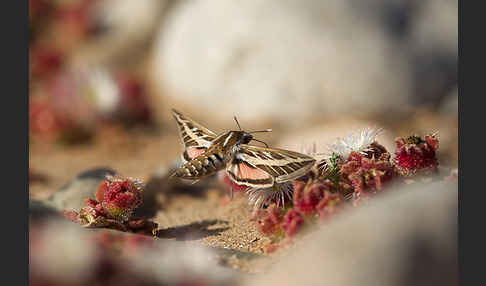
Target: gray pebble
x,y
39,210
73,194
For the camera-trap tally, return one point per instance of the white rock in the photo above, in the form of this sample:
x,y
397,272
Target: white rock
x,y
450,104
284,59
436,27
129,26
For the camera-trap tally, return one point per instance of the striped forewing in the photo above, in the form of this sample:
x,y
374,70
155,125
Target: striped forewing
x,y
252,163
196,138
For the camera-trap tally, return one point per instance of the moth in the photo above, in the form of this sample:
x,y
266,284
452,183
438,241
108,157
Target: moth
x,y
206,153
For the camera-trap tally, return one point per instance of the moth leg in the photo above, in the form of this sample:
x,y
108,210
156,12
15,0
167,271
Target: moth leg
x,y
195,181
231,193
174,174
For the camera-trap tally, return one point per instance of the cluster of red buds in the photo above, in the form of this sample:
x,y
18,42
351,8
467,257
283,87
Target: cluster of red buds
x,y
134,106
311,201
73,21
73,104
415,154
49,123
270,224
360,170
44,61
366,174
115,200
70,21
357,169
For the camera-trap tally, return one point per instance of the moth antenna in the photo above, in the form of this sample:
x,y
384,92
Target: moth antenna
x,y
237,123
266,130
261,142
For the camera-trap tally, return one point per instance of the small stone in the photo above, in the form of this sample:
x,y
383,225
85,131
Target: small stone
x,y
73,194
40,210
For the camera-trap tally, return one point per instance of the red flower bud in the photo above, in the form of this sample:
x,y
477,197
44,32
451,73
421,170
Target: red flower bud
x,y
415,154
292,222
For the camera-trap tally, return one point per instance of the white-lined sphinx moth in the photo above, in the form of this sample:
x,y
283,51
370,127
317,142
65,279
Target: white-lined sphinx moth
x,y
206,153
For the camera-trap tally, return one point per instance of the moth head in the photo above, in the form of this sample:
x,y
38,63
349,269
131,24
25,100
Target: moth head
x,y
246,137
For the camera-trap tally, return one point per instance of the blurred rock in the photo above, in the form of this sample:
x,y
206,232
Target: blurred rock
x,y
432,44
150,193
435,26
450,104
287,60
434,75
124,30
425,32
73,194
290,60
395,17
175,263
62,253
406,237
160,189
38,210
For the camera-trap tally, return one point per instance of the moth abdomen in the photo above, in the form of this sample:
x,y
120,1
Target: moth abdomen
x,y
183,172
201,166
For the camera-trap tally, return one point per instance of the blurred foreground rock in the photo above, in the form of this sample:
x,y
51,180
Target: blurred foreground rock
x,y
39,210
407,237
63,253
125,28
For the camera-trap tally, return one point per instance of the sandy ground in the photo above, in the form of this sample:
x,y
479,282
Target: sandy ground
x,y
209,217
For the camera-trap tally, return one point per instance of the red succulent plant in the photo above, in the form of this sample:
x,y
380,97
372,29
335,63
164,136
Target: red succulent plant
x,y
415,154
331,204
270,223
134,105
306,197
357,169
366,174
119,197
115,200
45,61
293,221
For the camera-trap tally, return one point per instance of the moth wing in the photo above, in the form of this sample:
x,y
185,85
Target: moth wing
x,y
243,173
282,165
195,138
193,152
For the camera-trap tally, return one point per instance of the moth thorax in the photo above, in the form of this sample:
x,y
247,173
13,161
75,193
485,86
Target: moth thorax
x,y
235,149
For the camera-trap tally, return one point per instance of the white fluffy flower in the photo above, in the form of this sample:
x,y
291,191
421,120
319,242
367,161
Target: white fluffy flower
x,y
358,141
260,197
